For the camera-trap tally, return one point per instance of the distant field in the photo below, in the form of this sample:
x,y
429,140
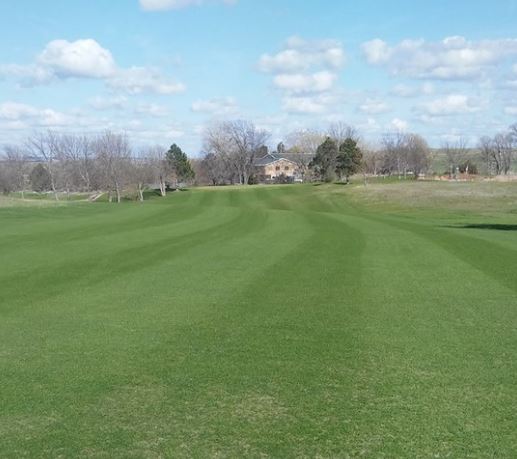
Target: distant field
x,y
295,321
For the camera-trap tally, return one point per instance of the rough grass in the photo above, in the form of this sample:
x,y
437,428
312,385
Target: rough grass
x,y
295,321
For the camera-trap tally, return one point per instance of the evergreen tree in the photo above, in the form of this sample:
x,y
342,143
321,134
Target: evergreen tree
x,y
324,162
40,178
349,159
179,164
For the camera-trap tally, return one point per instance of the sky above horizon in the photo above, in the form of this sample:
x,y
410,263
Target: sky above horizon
x,y
162,70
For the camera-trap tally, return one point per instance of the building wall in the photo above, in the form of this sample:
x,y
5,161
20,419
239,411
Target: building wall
x,y
280,167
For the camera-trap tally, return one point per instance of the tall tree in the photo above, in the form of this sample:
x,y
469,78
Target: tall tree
x,y
179,164
340,131
302,146
15,168
113,155
238,143
349,159
160,166
40,178
456,154
46,148
325,160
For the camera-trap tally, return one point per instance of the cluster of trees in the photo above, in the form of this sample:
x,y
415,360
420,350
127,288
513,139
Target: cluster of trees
x,y
231,148
498,151
106,163
333,160
79,163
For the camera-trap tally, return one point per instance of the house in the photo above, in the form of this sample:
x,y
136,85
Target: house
x,y
273,167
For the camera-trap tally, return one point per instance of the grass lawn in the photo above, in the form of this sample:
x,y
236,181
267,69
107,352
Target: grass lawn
x,y
296,321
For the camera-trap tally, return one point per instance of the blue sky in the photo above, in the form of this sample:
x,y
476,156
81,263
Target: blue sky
x,y
162,70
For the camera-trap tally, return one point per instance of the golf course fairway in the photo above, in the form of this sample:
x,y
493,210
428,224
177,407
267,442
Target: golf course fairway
x,y
282,321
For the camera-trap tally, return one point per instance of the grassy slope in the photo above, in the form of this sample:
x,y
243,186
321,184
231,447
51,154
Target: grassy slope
x,y
295,321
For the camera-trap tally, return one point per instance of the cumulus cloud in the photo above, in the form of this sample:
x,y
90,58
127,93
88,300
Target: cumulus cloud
x,y
403,90
305,72
217,106
309,104
299,83
300,55
449,59
511,110
137,80
108,103
21,113
80,59
163,5
453,104
398,125
374,107
153,110
86,58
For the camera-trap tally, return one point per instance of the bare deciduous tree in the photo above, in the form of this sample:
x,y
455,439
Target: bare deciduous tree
x,y
45,146
302,147
160,167
497,152
113,154
15,169
340,131
404,153
456,154
238,144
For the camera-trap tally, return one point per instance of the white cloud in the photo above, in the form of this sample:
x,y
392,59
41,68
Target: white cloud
x,y
298,82
137,80
452,58
453,104
311,104
163,5
19,113
403,90
306,72
86,58
511,110
216,106
300,55
153,110
376,51
374,107
398,124
109,103
79,59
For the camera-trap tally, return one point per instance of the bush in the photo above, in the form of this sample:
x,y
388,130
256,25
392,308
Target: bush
x,y
283,179
470,166
40,178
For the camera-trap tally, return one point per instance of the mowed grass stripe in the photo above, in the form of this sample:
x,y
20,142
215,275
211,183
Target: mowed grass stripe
x,y
297,325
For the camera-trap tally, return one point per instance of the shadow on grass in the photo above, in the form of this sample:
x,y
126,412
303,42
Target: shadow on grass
x,y
487,226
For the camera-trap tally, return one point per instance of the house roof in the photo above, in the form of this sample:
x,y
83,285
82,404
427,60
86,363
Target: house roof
x,y
270,158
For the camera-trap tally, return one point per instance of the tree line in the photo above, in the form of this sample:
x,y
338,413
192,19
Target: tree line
x,y
64,163
106,163
231,148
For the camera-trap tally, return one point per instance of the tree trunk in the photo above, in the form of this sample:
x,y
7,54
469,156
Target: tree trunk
x,y
140,193
163,190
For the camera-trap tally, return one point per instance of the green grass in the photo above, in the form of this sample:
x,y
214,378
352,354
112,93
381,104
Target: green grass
x,y
295,321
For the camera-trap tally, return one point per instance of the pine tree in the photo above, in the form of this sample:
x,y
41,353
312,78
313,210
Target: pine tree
x,y
349,159
179,164
324,162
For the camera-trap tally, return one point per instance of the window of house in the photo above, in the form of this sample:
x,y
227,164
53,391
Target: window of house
x,y
286,168
277,168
